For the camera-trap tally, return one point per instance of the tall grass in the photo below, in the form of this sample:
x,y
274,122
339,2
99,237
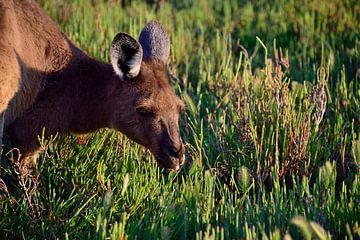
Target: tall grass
x,y
272,129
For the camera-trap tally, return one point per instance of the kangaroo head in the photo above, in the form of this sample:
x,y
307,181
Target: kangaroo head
x,y
146,108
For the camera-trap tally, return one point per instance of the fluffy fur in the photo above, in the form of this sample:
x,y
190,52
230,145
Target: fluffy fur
x,y
48,83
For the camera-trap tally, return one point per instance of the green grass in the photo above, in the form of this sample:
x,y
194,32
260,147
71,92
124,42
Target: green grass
x,y
272,90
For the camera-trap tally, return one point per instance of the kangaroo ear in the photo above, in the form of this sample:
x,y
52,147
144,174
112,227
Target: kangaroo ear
x,y
126,56
155,41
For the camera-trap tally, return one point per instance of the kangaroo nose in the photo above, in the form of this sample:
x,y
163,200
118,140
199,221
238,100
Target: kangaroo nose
x,y
176,151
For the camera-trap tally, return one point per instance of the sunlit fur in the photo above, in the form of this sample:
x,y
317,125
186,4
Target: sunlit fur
x,y
49,83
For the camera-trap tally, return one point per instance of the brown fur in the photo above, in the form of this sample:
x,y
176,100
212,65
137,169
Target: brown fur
x,y
47,82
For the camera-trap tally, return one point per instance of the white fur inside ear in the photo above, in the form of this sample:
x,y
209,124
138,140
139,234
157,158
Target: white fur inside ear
x,y
116,68
134,65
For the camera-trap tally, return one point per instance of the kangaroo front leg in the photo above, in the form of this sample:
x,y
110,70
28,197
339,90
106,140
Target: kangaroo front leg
x,y
25,146
44,118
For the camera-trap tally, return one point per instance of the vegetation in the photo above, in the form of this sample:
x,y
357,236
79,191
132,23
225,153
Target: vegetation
x,y
272,127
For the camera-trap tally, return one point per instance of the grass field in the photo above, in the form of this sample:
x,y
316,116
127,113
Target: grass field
x,y
272,128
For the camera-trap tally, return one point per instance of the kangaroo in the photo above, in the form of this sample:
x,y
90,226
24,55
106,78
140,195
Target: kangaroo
x,y
49,84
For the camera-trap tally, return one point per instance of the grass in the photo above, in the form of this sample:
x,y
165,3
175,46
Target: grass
x,y
272,90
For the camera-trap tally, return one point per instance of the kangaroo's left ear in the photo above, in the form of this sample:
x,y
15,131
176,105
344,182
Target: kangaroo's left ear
x,y
155,42
126,55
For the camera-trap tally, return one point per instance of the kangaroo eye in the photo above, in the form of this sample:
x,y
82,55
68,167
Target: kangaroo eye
x,y
145,111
